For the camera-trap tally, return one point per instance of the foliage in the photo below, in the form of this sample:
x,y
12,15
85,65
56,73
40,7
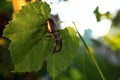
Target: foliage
x,y
6,7
100,15
113,38
116,20
30,48
113,41
30,45
5,61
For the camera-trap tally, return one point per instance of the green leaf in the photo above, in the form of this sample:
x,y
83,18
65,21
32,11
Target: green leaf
x,y
116,20
97,14
61,60
26,31
6,7
100,15
30,46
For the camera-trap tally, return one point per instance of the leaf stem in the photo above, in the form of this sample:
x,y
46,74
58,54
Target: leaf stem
x,y
90,53
83,67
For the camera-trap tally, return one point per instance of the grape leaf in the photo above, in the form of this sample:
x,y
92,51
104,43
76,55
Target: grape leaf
x,y
30,46
26,31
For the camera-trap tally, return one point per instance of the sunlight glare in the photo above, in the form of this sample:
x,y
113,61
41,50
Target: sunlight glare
x,y
81,12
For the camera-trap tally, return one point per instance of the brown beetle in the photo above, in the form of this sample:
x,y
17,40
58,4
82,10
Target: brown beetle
x,y
55,35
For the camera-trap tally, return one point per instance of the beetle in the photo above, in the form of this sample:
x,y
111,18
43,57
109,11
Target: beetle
x,y
52,28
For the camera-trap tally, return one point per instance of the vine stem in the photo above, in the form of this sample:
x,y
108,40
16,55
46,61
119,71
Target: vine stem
x,y
90,53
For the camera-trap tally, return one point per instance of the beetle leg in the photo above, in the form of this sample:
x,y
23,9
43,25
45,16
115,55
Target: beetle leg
x,y
59,44
54,49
